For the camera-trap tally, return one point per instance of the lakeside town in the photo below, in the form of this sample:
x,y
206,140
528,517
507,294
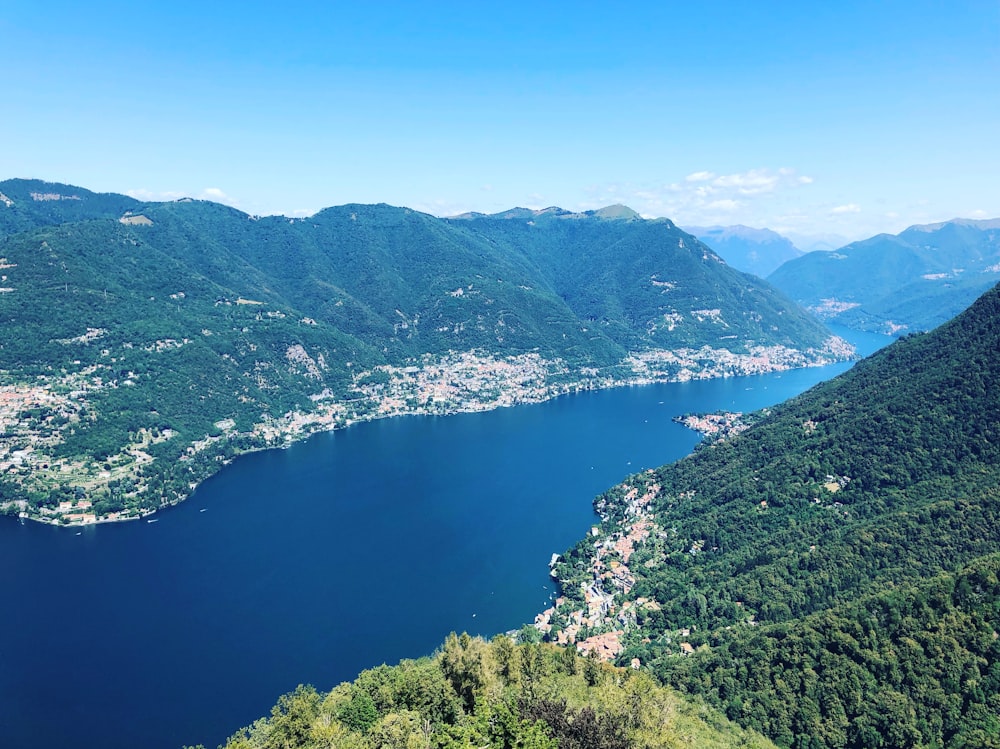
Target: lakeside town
x,y
595,611
599,626
36,417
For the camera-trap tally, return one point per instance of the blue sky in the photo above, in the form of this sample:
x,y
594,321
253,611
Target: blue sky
x,y
851,118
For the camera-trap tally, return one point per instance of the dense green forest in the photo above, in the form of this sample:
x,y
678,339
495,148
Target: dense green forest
x,y
916,666
148,343
828,575
617,279
30,203
498,694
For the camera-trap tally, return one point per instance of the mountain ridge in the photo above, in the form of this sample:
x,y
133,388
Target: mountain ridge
x,y
757,251
897,283
283,326
978,223
29,203
615,212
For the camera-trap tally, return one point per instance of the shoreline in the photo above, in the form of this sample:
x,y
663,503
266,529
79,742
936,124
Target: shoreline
x,y
293,427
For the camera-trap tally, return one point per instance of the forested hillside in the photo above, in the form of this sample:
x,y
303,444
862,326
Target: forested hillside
x,y
645,282
901,283
829,575
30,203
916,666
497,694
147,344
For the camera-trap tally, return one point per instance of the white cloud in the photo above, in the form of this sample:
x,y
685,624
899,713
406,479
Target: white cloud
x,y
699,177
705,197
209,193
441,207
149,196
783,199
848,208
752,182
727,204
218,196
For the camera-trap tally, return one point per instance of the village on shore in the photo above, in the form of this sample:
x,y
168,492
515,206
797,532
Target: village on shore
x,y
35,417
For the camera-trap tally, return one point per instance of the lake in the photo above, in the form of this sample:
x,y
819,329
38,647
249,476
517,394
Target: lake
x,y
307,565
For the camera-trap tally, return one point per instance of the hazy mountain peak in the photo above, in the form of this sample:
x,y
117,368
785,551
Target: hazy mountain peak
x,y
986,223
736,231
758,251
616,212
914,280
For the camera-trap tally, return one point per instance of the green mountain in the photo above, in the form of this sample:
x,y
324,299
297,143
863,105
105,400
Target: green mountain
x,y
829,575
912,281
147,344
30,203
497,694
757,251
645,283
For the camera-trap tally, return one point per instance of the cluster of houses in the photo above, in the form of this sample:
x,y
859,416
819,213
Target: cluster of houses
x,y
610,579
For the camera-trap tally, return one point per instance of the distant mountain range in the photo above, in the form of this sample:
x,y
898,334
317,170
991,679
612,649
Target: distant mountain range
x,y
914,280
145,343
757,251
814,242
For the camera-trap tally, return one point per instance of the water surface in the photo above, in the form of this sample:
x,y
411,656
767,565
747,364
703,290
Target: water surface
x,y
309,564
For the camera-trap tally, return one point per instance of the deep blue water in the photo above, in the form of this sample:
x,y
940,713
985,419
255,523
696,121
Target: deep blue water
x,y
307,565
